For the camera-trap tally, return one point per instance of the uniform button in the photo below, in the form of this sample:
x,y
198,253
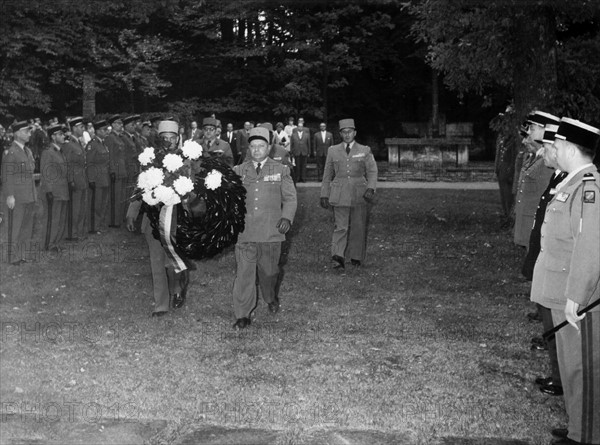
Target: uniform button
x,y
256,199
255,208
541,250
519,200
256,190
564,269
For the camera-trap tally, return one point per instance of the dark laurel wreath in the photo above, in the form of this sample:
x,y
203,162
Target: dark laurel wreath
x,y
208,234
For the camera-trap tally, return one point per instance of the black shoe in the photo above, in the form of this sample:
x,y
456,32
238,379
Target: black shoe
x,y
159,313
534,316
178,299
543,381
355,263
274,307
560,432
242,323
566,441
538,344
552,390
340,262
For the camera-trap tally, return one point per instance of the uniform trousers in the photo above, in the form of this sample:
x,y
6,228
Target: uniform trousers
x,y
255,261
350,232
119,201
80,212
57,224
579,361
101,207
22,231
165,281
547,324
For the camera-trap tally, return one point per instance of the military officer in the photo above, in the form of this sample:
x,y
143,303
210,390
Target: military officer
x,y
566,278
18,193
54,186
118,170
98,173
270,209
349,182
78,185
551,385
165,281
214,145
131,153
533,178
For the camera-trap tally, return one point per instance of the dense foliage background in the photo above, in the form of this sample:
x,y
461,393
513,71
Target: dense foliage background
x,y
381,61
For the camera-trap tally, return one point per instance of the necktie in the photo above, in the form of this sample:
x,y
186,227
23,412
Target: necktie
x,y
258,170
347,149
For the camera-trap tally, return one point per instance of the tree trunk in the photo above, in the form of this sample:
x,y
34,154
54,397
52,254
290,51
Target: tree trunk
x,y
89,95
227,30
435,104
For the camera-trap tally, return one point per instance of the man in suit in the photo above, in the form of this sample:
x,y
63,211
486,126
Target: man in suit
x,y
300,149
321,143
166,282
242,141
98,173
349,182
230,137
566,278
194,133
18,193
118,170
54,186
213,145
78,184
270,209
533,179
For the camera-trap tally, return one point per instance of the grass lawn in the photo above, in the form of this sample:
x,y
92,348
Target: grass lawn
x,y
430,338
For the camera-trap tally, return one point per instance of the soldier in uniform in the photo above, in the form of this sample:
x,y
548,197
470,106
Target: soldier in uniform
x,y
18,193
165,281
78,185
54,186
551,385
214,145
98,173
118,170
270,209
566,278
533,179
349,182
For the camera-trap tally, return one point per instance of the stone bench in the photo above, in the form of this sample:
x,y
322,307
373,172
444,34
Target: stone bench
x,y
428,151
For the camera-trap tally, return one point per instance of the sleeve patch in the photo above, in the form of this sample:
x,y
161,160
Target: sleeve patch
x,y
589,197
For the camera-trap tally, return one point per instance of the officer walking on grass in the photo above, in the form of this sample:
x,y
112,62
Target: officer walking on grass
x,y
566,278
349,181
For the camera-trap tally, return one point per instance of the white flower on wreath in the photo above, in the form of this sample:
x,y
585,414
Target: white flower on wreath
x,y
213,180
147,156
172,162
183,185
166,195
151,178
191,149
149,198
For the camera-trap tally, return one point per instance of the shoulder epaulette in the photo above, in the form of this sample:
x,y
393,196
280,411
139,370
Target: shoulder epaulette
x,y
589,177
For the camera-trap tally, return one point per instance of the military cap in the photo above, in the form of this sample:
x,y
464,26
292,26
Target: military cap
x,y
210,121
259,133
541,118
168,126
20,125
113,118
75,121
55,129
100,124
132,118
549,133
156,117
576,132
347,123
146,124
524,128
267,125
